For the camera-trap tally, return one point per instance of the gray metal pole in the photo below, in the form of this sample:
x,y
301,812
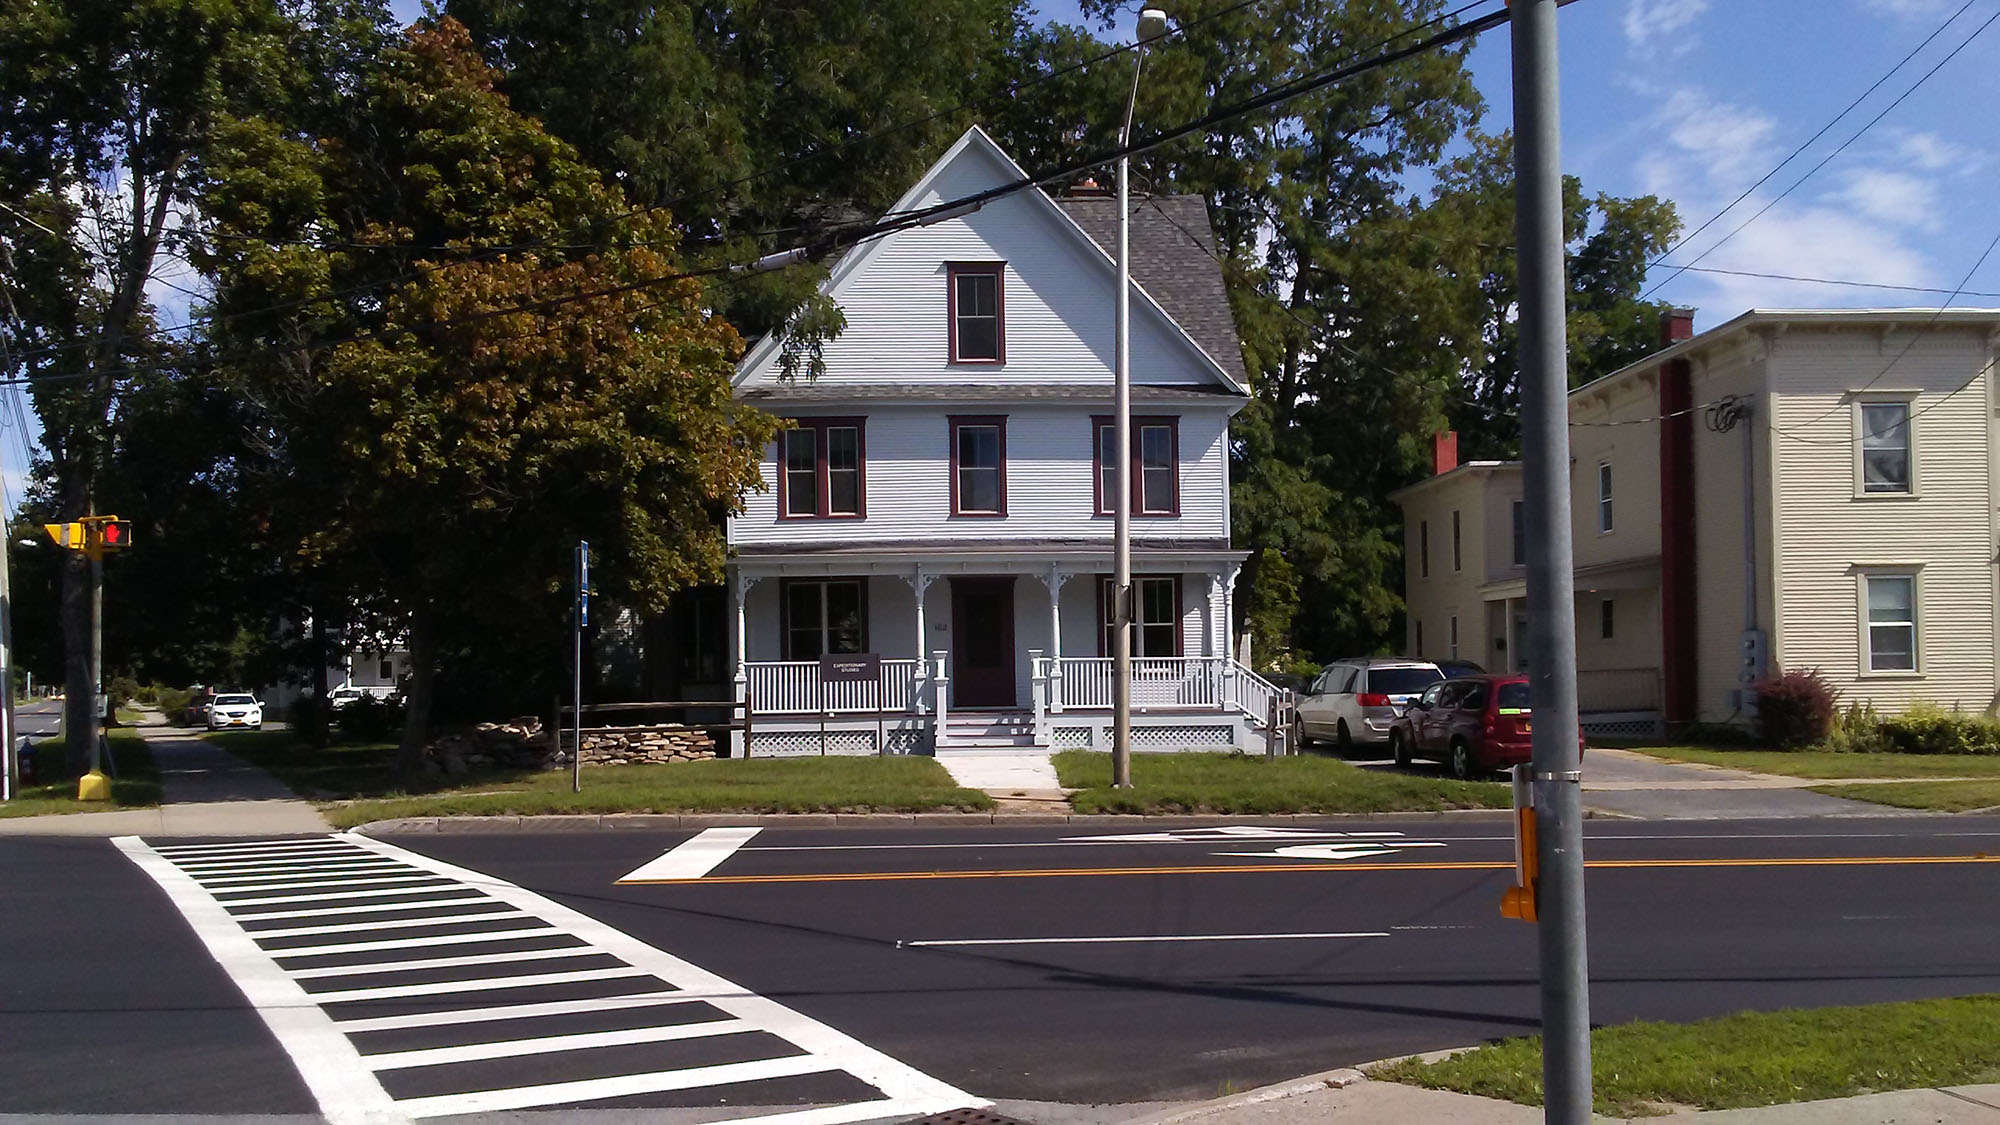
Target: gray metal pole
x,y
10,767
1121,442
97,660
1538,238
582,617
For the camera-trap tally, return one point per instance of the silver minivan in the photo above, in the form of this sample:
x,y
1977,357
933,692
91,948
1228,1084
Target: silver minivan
x,y
1357,700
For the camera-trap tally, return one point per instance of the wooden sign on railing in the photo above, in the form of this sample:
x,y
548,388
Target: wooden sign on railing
x,y
851,668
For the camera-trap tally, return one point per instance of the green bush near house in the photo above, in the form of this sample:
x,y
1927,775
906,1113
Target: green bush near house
x,y
1927,728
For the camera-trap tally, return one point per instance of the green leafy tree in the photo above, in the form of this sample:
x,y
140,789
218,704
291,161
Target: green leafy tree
x,y
484,355
107,113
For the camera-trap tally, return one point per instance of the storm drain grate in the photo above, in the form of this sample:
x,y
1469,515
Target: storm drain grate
x,y
966,1117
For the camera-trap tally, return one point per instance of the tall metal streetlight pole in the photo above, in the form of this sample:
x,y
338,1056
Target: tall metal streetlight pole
x,y
1152,25
1557,767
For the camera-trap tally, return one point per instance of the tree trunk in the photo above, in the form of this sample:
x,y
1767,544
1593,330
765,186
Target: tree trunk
x,y
79,690
417,704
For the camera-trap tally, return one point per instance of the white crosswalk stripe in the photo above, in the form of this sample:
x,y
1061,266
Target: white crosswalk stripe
x,y
589,1013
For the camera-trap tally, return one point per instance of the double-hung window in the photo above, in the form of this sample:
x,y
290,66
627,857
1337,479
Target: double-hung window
x,y
1156,469
824,616
978,466
1603,497
822,469
1890,635
1885,448
978,313
1156,614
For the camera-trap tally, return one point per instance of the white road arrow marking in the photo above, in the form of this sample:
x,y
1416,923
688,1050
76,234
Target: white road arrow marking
x,y
694,858
1355,850
1229,833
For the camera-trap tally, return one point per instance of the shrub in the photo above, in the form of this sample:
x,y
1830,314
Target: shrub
x,y
369,719
172,701
121,689
1858,730
1927,728
1794,708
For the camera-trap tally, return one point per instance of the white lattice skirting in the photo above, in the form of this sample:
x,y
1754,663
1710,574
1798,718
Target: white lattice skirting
x,y
1622,724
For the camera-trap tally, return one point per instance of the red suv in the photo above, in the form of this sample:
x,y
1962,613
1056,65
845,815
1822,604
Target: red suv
x,y
1474,724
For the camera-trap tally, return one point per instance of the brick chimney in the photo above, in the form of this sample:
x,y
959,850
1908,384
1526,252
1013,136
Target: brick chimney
x,y
1444,452
1677,325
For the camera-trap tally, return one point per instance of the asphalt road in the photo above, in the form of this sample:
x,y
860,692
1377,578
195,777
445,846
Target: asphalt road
x,y
1047,964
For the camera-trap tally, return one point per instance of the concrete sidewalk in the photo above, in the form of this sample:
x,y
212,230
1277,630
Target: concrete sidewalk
x,y
204,791
1348,1097
1625,783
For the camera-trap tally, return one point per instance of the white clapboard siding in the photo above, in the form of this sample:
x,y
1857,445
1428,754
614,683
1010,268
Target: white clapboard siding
x,y
1945,531
1049,493
1058,291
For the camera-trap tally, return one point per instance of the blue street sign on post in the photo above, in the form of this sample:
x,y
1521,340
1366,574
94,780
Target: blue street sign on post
x,y
582,582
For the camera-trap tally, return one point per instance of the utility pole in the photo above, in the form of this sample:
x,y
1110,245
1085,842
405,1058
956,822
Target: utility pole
x,y
1557,767
10,766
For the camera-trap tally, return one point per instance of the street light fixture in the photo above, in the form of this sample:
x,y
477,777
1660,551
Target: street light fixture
x,y
1152,25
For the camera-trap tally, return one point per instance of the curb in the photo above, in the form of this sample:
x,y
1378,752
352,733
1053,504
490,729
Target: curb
x,y
627,822
1339,1078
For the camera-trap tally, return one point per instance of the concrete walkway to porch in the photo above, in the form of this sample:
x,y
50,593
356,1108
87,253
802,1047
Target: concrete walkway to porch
x,y
1004,773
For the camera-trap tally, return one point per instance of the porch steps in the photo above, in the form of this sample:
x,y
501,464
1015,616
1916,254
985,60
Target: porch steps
x,y
969,730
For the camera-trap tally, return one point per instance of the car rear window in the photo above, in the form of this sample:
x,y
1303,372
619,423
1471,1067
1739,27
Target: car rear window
x,y
1402,681
1513,697
234,700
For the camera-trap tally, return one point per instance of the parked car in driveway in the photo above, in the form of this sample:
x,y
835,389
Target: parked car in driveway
x,y
1356,701
1473,724
235,711
196,712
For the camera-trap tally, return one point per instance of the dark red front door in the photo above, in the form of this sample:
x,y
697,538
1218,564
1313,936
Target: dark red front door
x,y
982,642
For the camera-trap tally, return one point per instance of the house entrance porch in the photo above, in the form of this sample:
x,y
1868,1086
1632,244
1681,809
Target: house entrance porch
x,y
1022,633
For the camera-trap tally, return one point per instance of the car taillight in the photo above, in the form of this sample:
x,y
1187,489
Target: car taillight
x,y
1374,699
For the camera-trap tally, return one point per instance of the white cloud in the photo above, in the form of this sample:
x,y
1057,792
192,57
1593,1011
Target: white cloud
x,y
1909,9
1892,197
1720,145
1933,153
1807,241
1652,23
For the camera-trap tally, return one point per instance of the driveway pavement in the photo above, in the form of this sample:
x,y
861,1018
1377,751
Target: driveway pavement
x,y
1623,783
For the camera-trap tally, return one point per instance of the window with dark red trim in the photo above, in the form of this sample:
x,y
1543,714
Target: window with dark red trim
x,y
976,296
823,615
978,465
822,469
1156,616
1156,465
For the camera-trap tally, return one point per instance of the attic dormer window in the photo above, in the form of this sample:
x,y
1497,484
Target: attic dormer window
x,y
977,316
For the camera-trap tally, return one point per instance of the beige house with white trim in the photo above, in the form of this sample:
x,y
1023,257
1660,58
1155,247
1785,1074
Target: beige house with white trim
x,y
1794,488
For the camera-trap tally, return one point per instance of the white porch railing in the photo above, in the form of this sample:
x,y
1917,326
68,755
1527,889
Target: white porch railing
x,y
1190,683
793,687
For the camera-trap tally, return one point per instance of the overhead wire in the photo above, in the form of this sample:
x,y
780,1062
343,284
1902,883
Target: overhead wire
x,y
1842,147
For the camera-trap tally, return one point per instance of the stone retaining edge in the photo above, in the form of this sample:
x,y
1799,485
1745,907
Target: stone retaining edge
x,y
626,822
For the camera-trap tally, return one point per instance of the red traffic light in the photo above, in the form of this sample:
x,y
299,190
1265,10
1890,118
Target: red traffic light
x,y
113,534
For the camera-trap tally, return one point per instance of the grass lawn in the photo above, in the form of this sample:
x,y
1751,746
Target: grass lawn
x,y
355,784
1251,783
1831,765
1750,1059
137,785
1942,796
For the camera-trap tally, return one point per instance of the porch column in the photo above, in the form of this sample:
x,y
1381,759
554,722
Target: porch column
x,y
920,584
1229,611
1054,579
740,585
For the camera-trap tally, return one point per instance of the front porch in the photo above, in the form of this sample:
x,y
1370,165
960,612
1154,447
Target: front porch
x,y
962,649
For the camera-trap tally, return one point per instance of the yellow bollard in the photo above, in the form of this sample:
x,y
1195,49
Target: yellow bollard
x,y
93,786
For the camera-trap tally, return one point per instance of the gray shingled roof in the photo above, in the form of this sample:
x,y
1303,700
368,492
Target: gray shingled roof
x,y
1171,257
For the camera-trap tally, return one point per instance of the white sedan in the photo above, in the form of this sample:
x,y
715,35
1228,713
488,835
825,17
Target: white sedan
x,y
235,711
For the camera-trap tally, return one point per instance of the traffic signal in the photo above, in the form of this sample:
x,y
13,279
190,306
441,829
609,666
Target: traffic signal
x,y
113,534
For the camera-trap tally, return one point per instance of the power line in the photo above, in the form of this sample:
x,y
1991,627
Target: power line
x,y
1842,147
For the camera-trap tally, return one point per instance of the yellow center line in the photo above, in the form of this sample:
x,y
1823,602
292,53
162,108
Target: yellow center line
x,y
1254,869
